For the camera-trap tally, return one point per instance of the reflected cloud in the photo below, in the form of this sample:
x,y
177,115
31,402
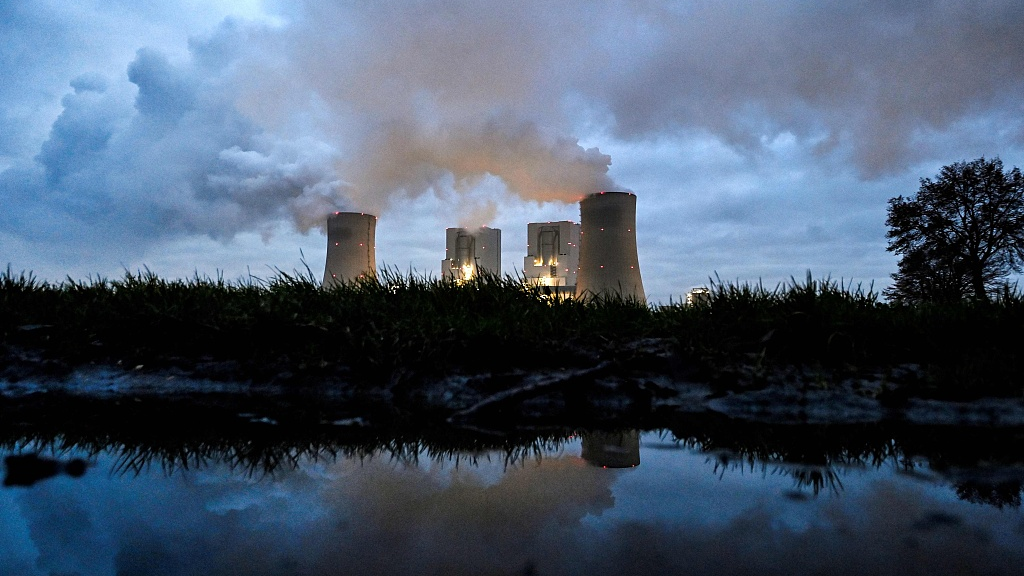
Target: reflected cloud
x,y
378,515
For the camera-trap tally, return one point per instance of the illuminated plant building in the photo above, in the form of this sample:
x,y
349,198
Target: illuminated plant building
x,y
552,255
470,252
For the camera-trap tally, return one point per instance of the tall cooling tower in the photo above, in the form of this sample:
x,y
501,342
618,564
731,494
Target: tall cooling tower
x,y
609,265
469,252
351,247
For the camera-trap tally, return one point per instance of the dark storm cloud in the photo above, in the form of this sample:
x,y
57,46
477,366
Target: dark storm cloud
x,y
876,79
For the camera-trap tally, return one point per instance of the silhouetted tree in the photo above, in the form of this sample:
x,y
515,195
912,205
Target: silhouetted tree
x,y
961,236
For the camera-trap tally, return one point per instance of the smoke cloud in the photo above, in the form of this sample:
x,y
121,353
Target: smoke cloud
x,y
535,166
359,106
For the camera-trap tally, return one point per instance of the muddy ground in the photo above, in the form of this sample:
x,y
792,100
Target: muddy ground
x,y
649,388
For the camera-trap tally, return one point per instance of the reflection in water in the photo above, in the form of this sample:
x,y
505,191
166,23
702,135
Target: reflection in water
x,y
612,449
815,478
983,465
547,511
28,469
998,494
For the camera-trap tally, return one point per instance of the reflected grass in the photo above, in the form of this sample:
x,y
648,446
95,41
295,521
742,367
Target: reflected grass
x,y
984,465
254,453
816,458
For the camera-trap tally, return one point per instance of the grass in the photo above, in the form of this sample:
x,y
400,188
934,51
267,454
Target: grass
x,y
961,350
407,327
288,323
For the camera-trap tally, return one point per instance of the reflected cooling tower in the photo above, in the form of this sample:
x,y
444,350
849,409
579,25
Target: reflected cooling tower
x,y
351,247
609,265
552,255
612,449
469,252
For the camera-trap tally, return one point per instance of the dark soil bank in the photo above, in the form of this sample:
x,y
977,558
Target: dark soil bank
x,y
648,388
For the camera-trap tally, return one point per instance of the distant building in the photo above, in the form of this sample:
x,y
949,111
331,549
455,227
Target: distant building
x,y
699,295
469,252
552,255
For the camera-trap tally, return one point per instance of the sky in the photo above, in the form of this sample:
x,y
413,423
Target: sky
x,y
763,139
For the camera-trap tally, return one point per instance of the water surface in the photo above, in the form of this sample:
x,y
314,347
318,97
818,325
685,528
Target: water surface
x,y
636,504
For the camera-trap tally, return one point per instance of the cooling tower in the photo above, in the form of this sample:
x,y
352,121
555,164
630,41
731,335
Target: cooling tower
x,y
351,247
552,255
469,252
609,266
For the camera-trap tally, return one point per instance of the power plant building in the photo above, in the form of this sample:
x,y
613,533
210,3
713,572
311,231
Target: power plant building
x,y
595,258
552,255
609,265
699,295
469,252
351,248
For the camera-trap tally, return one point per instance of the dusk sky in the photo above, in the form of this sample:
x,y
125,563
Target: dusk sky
x,y
762,139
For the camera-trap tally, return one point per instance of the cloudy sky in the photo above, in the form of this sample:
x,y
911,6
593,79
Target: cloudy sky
x,y
762,139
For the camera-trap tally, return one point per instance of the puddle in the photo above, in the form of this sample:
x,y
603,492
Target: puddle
x,y
603,503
